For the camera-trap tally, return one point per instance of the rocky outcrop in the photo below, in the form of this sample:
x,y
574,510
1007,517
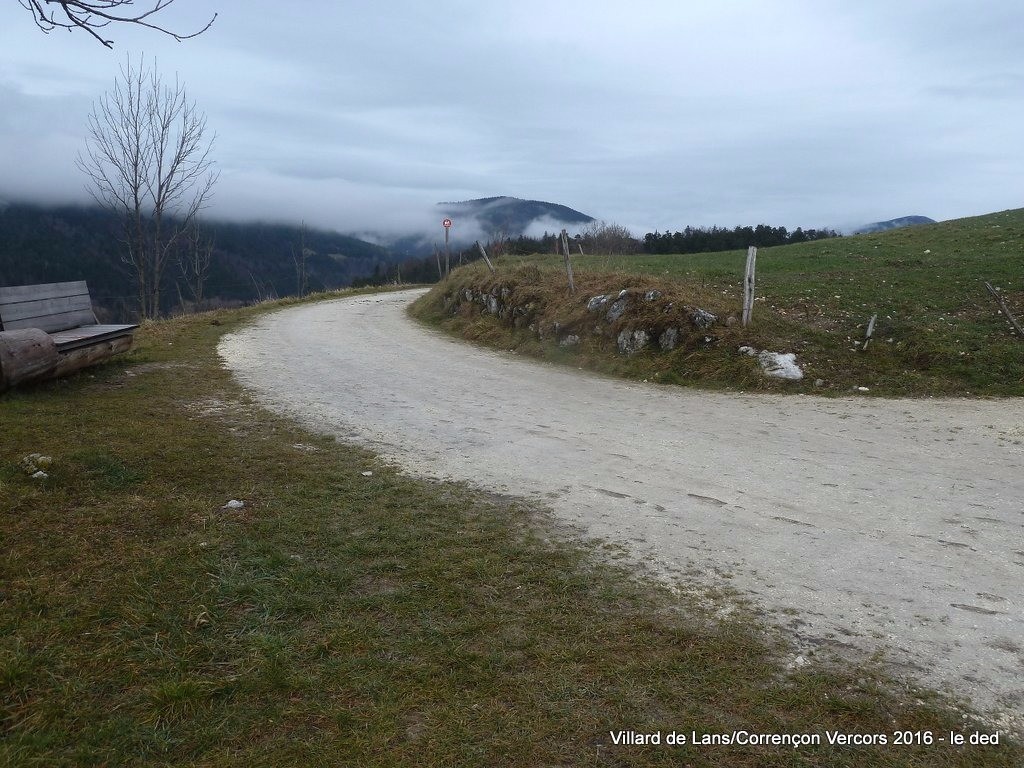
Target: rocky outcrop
x,y
634,319
627,321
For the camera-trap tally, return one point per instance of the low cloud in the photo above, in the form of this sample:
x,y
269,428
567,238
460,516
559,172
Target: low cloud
x,y
551,226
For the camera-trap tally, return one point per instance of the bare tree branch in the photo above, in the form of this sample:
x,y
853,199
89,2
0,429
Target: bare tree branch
x,y
92,15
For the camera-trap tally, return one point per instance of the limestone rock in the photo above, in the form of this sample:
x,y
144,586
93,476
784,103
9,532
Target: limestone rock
x,y
668,339
780,365
703,319
617,309
630,342
597,302
35,463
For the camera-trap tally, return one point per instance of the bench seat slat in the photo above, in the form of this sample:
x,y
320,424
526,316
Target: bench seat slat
x,y
90,334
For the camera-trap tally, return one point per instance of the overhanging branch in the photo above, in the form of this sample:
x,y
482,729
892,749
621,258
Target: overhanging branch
x,y
93,15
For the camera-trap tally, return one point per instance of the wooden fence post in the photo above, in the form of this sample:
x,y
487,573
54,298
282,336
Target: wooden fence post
x,y
871,330
748,285
568,264
1006,310
484,254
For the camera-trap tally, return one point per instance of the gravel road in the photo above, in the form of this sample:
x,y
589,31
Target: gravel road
x,y
895,524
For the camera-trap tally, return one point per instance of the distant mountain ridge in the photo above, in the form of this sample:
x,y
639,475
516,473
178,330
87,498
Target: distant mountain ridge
x,y
512,214
884,226
488,217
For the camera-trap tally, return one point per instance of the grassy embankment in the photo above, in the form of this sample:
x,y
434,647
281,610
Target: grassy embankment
x,y
938,331
340,619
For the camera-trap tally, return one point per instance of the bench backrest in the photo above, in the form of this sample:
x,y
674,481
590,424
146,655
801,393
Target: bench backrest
x,y
51,307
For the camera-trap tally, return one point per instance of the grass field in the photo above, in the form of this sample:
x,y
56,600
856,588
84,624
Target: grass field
x,y
938,332
345,619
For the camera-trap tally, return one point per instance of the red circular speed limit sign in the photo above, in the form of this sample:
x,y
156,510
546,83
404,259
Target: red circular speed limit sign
x,y
446,223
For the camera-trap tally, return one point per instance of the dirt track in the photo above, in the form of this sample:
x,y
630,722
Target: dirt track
x,y
881,523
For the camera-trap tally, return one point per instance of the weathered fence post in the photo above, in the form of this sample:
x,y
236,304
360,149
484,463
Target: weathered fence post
x,y
748,285
1006,310
871,330
484,254
568,263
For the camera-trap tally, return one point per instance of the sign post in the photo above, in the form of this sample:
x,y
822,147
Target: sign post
x,y
447,224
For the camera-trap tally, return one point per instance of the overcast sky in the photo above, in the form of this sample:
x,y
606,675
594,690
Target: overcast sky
x,y
650,114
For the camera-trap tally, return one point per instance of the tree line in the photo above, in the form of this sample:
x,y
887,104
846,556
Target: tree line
x,y
710,239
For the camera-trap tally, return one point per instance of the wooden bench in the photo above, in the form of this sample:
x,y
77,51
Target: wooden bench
x,y
50,330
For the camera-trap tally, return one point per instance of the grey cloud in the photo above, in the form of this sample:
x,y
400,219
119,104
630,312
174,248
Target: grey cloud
x,y
656,115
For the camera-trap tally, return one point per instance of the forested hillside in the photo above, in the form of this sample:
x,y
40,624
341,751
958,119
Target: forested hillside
x,y
40,244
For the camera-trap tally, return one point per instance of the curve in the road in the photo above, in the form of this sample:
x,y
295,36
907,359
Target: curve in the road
x,y
880,522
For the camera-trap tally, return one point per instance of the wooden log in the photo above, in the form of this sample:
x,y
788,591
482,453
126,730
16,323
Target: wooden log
x,y
26,355
76,359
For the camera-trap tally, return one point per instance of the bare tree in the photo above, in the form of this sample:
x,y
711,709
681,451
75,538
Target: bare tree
x,y
194,260
299,258
604,238
97,14
148,160
498,241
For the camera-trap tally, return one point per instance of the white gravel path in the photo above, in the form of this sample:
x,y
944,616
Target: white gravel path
x,y
880,523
